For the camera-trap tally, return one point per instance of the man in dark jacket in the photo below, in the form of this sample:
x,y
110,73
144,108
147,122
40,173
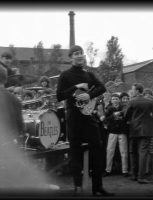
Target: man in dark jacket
x,y
11,121
81,128
140,115
6,61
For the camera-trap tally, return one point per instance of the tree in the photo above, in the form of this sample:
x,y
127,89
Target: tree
x,y
104,72
39,54
92,53
114,58
112,67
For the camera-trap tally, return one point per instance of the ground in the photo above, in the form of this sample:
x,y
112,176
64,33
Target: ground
x,y
117,184
20,173
121,186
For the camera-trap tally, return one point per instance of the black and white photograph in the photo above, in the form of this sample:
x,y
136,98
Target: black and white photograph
x,y
76,101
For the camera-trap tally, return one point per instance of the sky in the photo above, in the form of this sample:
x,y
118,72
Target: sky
x,y
134,28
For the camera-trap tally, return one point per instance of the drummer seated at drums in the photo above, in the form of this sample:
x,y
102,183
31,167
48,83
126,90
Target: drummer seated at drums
x,y
44,82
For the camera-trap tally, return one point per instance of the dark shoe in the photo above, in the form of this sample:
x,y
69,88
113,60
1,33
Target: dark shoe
x,y
133,178
78,190
144,181
102,192
106,174
125,174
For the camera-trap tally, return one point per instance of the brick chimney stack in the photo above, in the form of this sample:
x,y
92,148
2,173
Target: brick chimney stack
x,y
72,32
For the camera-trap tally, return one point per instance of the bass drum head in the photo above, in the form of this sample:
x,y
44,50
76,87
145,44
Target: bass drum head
x,y
49,129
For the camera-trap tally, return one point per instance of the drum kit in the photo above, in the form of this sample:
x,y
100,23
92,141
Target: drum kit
x,y
44,116
44,123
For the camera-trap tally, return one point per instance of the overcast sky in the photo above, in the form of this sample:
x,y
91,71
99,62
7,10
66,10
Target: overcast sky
x,y
134,29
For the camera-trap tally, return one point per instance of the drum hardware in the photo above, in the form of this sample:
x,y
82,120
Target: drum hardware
x,y
35,143
50,102
32,104
28,148
59,145
26,141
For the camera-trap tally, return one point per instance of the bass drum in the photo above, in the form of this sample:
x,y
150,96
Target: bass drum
x,y
49,129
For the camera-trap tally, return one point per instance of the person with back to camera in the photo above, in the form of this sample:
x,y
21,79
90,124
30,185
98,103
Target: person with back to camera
x,y
139,113
80,127
11,119
148,93
6,61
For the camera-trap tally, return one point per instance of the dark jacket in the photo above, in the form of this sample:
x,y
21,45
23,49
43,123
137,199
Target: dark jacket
x,y
77,123
11,120
116,126
140,115
75,75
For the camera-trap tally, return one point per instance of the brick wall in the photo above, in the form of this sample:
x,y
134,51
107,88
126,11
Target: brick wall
x,y
143,75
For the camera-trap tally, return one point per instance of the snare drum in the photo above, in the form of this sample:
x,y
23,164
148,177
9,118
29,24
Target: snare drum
x,y
49,128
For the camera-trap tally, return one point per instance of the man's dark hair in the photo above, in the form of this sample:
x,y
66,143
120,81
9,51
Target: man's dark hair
x,y
139,87
124,94
44,78
74,49
6,55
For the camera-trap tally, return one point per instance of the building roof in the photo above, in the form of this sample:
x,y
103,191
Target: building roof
x,y
26,53
136,66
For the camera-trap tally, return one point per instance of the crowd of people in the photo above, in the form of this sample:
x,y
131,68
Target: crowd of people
x,y
126,120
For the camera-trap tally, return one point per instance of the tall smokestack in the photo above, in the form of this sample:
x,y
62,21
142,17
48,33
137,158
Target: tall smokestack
x,y
72,33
